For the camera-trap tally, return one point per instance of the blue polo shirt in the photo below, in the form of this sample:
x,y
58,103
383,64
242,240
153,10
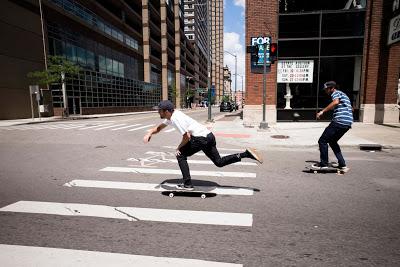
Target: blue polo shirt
x,y
343,113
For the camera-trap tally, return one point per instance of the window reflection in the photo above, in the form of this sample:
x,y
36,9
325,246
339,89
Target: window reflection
x,y
332,34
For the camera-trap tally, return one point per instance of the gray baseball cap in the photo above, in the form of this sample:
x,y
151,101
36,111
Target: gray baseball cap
x,y
329,84
166,105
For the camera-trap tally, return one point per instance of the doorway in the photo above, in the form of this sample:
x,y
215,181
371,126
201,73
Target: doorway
x,y
74,105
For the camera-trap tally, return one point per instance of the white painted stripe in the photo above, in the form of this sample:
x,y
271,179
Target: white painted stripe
x,y
241,163
142,127
52,127
98,121
65,209
22,127
73,126
189,216
178,172
160,153
24,256
94,126
219,148
191,161
132,213
111,126
129,126
62,126
170,130
155,187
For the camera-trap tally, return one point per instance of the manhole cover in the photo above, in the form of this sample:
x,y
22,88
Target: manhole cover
x,y
280,136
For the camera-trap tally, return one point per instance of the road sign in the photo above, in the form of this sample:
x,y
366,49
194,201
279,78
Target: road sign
x,y
257,54
394,30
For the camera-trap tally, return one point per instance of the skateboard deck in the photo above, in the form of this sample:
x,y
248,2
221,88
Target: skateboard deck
x,y
202,191
330,169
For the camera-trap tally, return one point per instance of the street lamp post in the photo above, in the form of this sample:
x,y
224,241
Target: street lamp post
x,y
235,73
188,78
241,76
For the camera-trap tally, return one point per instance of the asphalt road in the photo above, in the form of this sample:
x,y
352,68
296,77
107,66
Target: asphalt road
x,y
297,218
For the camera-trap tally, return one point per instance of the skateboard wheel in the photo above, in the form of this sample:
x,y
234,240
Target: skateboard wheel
x,y
203,196
171,195
315,171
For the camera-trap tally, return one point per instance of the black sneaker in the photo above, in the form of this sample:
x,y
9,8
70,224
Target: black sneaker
x,y
318,166
184,187
254,154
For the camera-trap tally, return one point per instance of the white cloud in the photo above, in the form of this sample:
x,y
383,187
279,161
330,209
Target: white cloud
x,y
232,44
241,3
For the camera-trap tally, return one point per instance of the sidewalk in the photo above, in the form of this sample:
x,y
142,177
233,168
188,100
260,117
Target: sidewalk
x,y
304,134
283,134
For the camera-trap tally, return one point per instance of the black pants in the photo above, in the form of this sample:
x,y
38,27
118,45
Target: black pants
x,y
208,146
331,136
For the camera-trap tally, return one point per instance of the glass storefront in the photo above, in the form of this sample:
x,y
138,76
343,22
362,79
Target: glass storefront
x,y
108,78
329,33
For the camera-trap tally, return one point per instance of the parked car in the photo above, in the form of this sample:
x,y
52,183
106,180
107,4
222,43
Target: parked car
x,y
226,106
203,104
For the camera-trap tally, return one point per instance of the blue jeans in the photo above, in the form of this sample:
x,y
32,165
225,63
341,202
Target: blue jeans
x,y
331,136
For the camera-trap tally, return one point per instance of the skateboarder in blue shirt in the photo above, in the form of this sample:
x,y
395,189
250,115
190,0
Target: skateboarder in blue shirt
x,y
195,137
340,124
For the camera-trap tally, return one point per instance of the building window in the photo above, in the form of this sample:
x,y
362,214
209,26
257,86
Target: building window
x,y
331,34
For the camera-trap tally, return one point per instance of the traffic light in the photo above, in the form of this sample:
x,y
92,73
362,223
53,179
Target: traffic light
x,y
273,52
254,55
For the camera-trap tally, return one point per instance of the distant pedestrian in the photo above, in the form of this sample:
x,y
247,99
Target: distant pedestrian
x,y
195,137
340,124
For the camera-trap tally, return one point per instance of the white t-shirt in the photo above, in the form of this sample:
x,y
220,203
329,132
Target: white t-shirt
x,y
183,123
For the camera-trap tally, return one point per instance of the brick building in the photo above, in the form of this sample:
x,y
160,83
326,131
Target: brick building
x,y
346,41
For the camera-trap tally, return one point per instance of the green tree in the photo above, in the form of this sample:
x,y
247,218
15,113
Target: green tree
x,y
225,98
58,70
56,65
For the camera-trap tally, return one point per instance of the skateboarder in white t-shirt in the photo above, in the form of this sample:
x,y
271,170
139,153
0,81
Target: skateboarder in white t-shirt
x,y
195,137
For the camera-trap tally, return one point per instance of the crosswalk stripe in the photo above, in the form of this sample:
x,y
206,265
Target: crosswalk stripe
x,y
178,172
160,153
111,126
170,130
219,148
52,127
155,187
26,256
190,161
142,127
132,213
94,126
125,127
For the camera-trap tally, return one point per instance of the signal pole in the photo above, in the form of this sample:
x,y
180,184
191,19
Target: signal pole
x,y
263,123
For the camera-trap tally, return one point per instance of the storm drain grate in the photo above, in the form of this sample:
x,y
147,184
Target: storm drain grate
x,y
279,136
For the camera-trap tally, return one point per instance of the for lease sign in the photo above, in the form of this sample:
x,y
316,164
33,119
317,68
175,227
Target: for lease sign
x,y
295,71
394,30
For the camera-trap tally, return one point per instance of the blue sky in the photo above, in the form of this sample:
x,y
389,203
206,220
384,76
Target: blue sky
x,y
234,29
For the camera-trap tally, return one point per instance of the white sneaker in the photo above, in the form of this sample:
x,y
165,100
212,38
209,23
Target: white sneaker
x,y
317,166
184,187
344,169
